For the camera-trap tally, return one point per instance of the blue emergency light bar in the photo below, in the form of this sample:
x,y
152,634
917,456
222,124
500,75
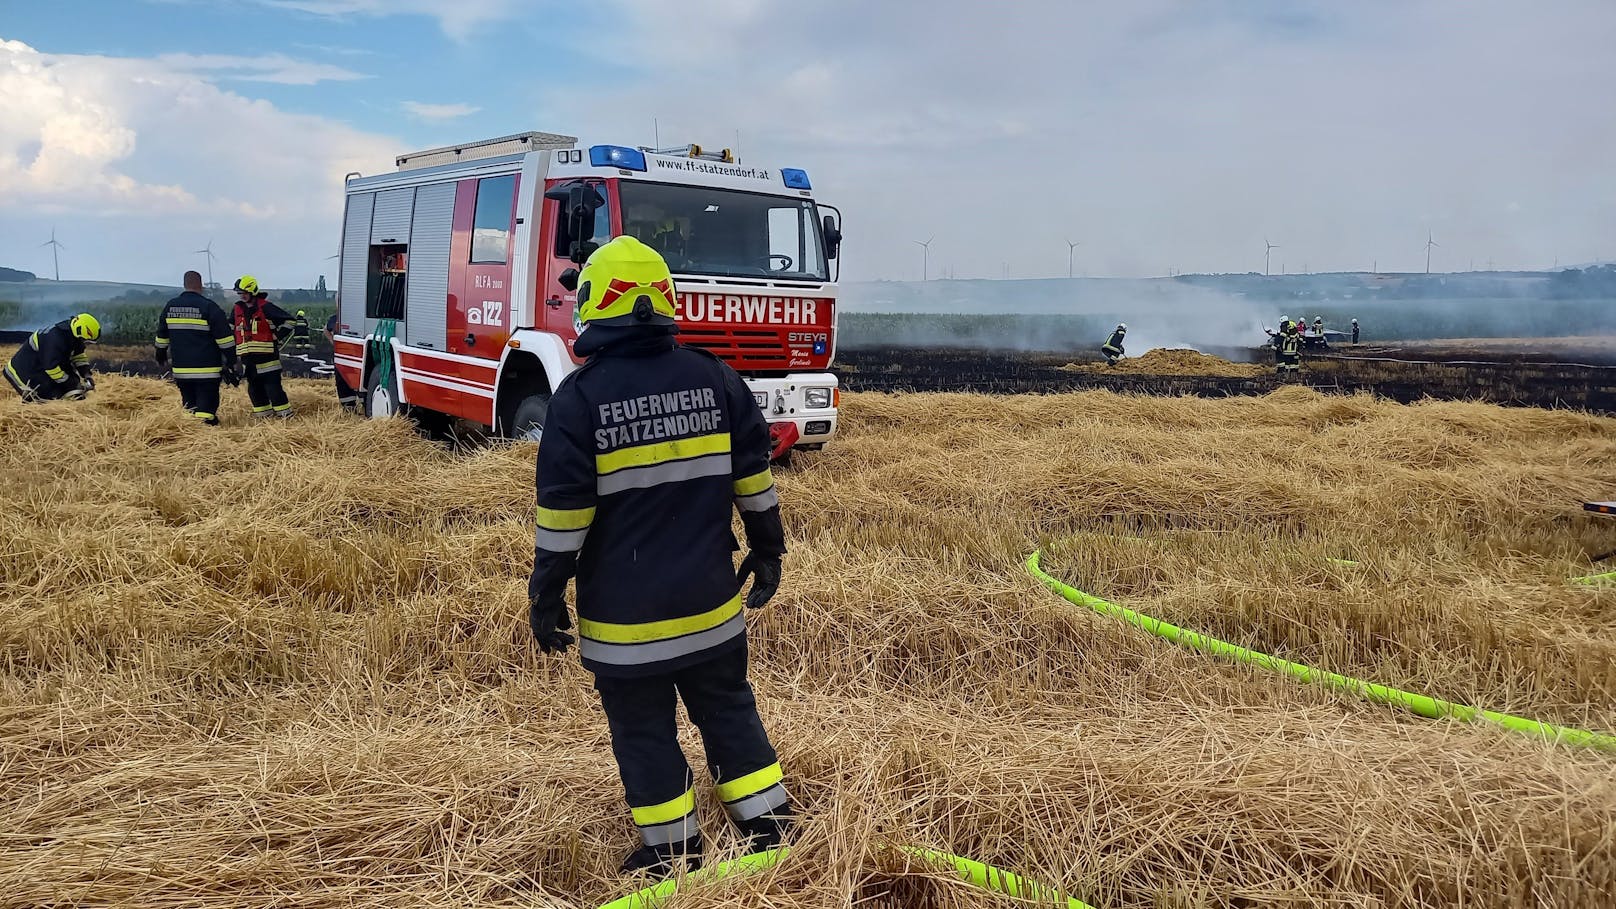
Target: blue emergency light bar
x,y
795,178
616,156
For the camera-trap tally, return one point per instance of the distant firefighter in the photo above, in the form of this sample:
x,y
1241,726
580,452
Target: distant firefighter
x,y
52,364
1354,331
1289,357
195,334
1113,345
1318,326
300,332
258,333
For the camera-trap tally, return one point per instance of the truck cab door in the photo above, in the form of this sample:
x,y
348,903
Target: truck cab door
x,y
560,316
485,232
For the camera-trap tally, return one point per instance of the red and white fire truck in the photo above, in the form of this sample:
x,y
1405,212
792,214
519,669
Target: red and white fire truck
x,y
454,299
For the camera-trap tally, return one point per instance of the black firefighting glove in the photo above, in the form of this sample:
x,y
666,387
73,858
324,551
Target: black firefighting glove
x,y
162,356
546,613
86,383
765,573
231,375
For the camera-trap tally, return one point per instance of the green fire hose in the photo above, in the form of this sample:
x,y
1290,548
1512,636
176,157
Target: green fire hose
x,y
381,350
973,872
1418,703
649,896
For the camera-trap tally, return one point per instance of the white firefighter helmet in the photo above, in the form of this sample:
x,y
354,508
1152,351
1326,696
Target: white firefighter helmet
x,y
1122,326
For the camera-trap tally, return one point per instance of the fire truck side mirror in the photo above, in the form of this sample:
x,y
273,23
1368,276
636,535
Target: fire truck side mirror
x,y
833,238
581,201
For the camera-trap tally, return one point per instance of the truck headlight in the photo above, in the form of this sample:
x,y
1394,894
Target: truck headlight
x,y
816,397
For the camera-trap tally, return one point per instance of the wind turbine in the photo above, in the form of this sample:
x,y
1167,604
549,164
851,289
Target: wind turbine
x,y
1266,254
925,257
55,262
208,251
1428,244
1071,249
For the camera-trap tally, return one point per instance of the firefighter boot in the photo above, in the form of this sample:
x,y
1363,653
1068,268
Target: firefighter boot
x,y
665,860
767,832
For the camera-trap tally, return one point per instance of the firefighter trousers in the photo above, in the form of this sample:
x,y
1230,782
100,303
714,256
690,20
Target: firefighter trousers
x,y
346,396
264,387
645,741
32,388
201,398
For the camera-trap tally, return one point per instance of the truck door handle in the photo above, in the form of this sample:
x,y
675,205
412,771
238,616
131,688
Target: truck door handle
x,y
471,339
553,302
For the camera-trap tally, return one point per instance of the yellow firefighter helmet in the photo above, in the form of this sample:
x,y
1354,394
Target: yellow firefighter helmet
x,y
86,327
625,282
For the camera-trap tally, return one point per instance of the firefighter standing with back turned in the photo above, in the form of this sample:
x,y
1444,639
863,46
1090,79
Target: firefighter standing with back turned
x,y
52,364
300,331
192,331
257,322
1289,358
647,447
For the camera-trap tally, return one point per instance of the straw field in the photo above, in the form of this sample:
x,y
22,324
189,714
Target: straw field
x,y
1167,361
288,664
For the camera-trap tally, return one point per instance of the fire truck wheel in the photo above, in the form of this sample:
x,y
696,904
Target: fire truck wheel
x,y
527,422
381,401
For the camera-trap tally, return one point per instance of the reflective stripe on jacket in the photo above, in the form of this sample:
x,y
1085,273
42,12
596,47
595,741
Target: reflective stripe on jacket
x,y
197,336
648,450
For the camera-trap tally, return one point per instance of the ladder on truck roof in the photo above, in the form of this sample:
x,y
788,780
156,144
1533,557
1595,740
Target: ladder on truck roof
x,y
487,148
692,150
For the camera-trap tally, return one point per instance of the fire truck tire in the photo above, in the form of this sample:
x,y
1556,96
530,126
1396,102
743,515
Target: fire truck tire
x,y
527,421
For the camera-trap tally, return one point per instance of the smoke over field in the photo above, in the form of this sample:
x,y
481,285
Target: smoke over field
x,y
1220,311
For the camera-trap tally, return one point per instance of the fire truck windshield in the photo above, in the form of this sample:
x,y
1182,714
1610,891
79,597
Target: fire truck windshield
x,y
726,232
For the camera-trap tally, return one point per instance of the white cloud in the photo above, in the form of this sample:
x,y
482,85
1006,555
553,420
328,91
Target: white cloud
x,y
437,113
277,68
150,158
458,18
1163,134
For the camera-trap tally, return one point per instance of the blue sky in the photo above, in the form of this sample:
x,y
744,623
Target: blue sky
x,y
367,70
1163,135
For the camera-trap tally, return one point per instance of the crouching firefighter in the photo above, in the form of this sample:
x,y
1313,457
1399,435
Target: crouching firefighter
x,y
258,335
647,448
194,334
51,364
1113,345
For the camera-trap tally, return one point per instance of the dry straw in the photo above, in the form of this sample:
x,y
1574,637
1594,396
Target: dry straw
x,y
287,664
1167,361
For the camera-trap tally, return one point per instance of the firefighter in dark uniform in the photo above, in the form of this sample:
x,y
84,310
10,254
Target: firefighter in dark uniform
x,y
647,448
1354,331
1113,345
258,324
1290,349
51,364
346,396
195,335
301,338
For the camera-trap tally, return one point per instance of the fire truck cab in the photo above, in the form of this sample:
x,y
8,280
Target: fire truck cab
x,y
454,298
